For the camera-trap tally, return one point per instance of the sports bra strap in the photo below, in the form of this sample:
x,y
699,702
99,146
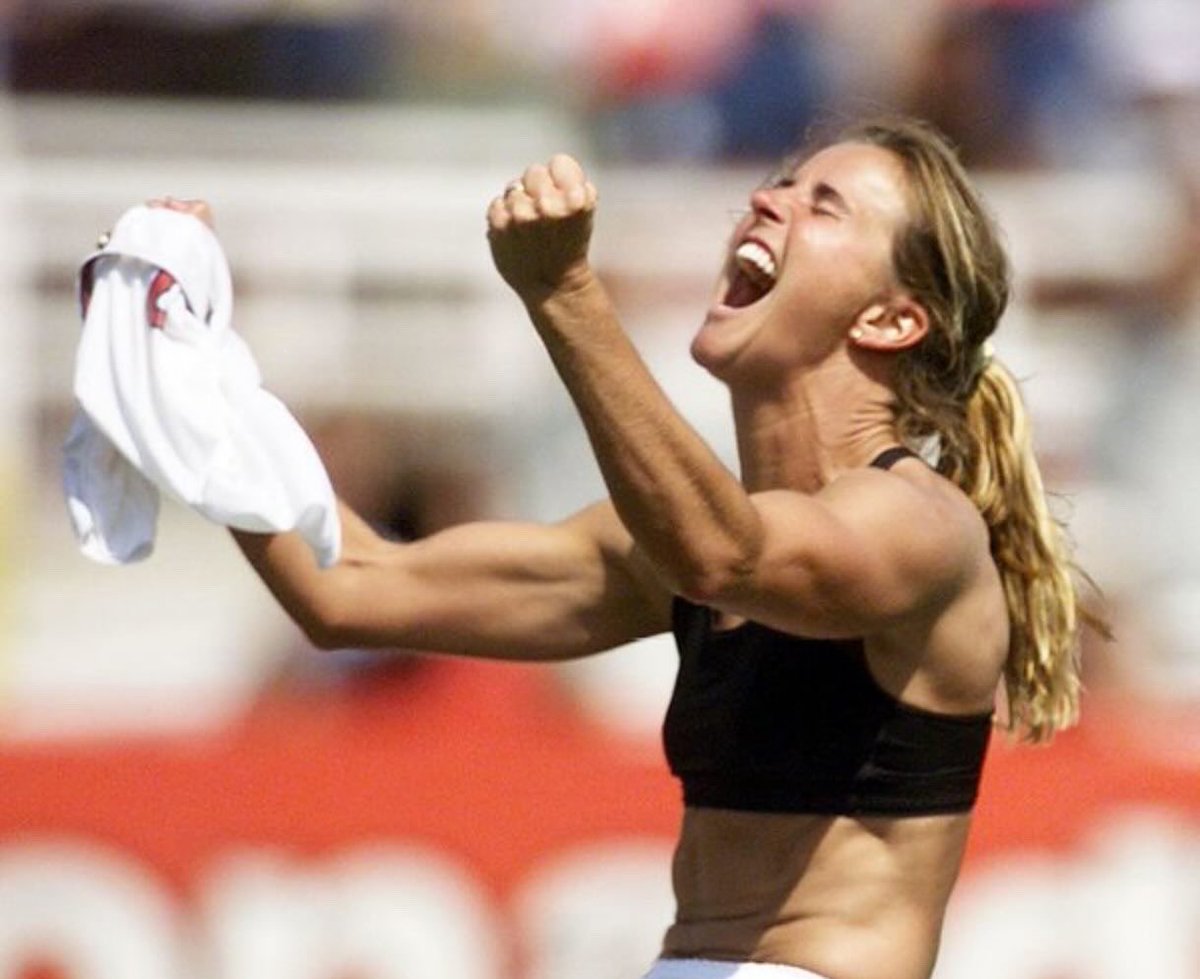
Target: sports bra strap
x,y
889,457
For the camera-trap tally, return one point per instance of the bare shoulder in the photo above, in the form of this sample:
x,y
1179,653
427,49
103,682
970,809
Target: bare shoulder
x,y
948,659
919,517
871,551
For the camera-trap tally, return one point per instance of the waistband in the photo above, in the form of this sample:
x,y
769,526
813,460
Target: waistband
x,y
712,969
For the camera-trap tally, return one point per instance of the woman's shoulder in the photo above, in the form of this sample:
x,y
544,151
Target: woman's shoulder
x,y
915,499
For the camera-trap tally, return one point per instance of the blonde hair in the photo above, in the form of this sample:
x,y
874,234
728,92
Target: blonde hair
x,y
950,388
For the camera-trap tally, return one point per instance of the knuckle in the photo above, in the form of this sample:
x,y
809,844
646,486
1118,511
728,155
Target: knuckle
x,y
551,206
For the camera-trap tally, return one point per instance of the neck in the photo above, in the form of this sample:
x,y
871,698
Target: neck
x,y
815,426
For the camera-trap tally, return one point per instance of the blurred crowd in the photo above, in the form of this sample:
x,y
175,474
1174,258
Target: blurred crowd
x,y
1020,85
1016,82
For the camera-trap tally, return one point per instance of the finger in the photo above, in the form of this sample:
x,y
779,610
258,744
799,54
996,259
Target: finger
x,y
560,187
581,198
497,215
521,206
576,197
537,181
516,199
546,197
566,171
569,176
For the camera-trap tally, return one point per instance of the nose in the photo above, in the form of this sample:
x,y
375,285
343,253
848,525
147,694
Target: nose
x,y
762,202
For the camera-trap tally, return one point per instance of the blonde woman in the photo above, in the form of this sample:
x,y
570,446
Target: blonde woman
x,y
845,611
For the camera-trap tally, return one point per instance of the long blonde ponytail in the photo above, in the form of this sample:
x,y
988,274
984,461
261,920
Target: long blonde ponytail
x,y
1000,474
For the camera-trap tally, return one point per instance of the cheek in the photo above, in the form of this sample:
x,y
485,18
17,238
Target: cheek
x,y
831,260
860,267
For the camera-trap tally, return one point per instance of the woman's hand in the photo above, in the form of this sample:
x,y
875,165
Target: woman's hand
x,y
540,227
197,209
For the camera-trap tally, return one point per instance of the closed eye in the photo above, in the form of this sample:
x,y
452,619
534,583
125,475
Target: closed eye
x,y
827,200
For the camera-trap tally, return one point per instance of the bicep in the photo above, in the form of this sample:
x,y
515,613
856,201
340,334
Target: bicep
x,y
509,590
853,560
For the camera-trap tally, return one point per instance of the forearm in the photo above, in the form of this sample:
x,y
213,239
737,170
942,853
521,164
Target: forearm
x,y
690,515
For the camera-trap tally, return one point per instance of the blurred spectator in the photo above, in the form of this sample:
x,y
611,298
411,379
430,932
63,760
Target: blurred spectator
x,y
776,88
650,66
671,80
8,15
1151,50
1011,83
285,49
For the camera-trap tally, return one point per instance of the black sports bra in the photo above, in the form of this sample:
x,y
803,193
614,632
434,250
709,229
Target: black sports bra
x,y
765,721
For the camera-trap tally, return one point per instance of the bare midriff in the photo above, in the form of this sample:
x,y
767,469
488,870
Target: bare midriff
x,y
847,898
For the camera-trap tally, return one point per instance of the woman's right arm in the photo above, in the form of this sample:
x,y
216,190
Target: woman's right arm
x,y
499,590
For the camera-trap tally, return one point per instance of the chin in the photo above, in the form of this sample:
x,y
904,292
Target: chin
x,y
712,347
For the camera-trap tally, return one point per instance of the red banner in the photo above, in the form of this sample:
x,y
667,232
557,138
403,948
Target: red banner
x,y
465,819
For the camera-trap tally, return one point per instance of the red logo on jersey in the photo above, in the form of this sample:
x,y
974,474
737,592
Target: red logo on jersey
x,y
159,286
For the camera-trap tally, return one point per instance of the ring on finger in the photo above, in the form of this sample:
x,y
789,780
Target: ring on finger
x,y
514,185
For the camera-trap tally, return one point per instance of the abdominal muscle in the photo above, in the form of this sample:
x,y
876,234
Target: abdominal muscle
x,y
848,898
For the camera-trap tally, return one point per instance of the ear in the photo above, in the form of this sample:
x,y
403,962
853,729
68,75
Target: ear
x,y
890,327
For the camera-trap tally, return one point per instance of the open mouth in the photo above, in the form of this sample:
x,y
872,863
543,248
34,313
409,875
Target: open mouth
x,y
753,275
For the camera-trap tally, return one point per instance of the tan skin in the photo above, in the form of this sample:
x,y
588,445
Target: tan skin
x,y
808,540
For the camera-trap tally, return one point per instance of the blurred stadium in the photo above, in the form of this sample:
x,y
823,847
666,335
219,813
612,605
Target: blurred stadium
x,y
190,792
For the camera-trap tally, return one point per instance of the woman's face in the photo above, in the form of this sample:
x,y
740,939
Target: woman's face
x,y
813,252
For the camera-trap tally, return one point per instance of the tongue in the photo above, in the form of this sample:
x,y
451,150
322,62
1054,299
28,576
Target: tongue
x,y
742,292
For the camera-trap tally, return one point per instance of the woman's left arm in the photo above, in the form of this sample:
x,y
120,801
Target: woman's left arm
x,y
849,560
687,511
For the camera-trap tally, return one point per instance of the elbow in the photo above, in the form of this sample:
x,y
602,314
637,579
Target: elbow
x,y
716,579
708,591
716,567
343,610
326,623
325,638
323,631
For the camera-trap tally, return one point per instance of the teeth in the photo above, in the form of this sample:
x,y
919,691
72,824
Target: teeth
x,y
756,262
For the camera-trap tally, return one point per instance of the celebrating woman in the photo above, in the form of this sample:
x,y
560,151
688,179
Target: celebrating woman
x,y
847,608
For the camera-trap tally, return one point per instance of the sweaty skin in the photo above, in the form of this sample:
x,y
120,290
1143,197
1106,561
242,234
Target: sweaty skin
x,y
846,898
806,539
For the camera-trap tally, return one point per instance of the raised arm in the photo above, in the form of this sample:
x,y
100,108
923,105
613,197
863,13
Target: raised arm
x,y
685,508
500,590
853,559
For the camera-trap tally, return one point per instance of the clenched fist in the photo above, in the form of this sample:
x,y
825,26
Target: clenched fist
x,y
539,228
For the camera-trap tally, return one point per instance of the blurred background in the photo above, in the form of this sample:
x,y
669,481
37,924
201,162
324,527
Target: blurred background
x,y
188,791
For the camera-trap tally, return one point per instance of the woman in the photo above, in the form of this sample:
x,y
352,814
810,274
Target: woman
x,y
845,611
